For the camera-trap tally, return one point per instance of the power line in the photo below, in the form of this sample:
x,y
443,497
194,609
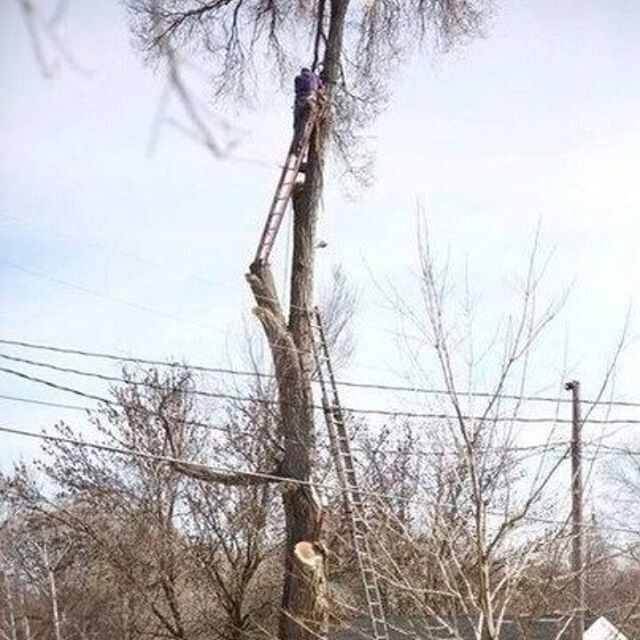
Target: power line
x,y
109,378
94,292
93,244
243,398
142,260
145,361
620,450
90,396
257,374
393,413
267,477
543,448
129,256
140,454
45,403
372,386
105,296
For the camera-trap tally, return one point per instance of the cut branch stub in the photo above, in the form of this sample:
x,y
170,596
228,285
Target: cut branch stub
x,y
309,554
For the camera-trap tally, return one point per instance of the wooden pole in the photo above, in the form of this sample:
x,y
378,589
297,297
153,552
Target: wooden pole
x,y
577,535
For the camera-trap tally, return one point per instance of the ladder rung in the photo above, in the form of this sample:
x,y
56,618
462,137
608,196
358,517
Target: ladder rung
x,y
350,490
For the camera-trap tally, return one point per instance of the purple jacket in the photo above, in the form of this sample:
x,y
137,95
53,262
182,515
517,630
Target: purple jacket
x,y
306,84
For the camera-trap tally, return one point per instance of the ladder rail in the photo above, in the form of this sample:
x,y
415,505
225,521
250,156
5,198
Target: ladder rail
x,y
359,532
284,189
327,359
346,472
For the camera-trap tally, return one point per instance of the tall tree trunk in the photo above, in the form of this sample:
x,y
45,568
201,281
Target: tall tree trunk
x,y
53,592
26,626
10,609
304,604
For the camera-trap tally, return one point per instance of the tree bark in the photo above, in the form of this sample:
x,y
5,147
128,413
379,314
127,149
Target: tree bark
x,y
26,626
53,594
10,609
304,613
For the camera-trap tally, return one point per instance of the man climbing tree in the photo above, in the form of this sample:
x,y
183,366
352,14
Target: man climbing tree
x,y
358,44
307,85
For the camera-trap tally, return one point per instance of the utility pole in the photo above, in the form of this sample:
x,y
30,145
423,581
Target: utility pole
x,y
577,563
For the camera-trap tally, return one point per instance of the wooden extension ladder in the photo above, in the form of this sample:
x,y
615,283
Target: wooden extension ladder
x,y
340,445
295,156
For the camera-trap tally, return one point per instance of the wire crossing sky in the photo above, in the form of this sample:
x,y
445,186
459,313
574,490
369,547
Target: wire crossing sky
x,y
123,251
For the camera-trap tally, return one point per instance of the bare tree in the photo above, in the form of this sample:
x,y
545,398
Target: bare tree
x,y
487,513
625,476
182,559
37,553
356,45
338,305
238,531
9,625
49,49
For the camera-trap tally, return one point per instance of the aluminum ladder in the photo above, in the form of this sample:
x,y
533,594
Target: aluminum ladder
x,y
291,168
341,448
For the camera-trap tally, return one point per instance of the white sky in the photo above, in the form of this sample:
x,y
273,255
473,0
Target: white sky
x,y
536,122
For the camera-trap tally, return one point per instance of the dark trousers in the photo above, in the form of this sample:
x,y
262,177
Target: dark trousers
x,y
301,111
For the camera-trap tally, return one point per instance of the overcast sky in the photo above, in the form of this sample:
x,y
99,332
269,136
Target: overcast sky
x,y
104,247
